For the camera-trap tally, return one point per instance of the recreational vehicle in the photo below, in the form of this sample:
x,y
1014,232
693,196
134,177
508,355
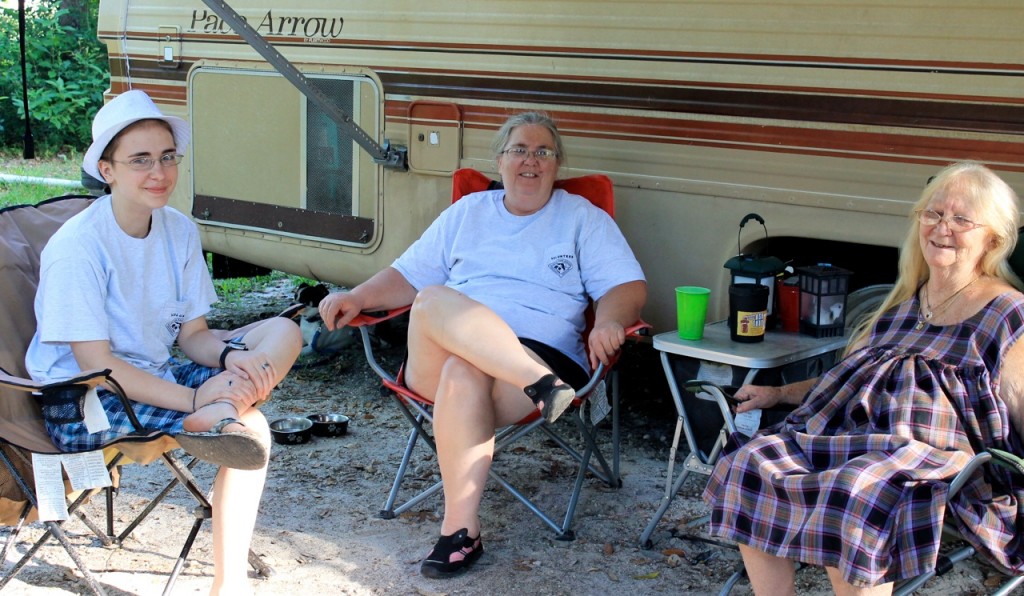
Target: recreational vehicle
x,y
826,119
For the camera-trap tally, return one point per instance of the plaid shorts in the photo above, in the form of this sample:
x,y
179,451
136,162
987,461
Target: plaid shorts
x,y
73,437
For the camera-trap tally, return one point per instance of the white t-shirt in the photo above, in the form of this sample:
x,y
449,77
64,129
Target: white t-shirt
x,y
536,271
98,283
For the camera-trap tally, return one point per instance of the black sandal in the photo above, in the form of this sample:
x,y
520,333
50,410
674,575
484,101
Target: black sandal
x,y
451,555
556,398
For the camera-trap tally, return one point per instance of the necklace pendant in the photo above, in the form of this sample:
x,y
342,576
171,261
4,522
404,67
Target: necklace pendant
x,y
920,325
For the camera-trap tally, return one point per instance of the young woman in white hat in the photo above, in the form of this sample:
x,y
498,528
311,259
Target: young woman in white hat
x,y
126,279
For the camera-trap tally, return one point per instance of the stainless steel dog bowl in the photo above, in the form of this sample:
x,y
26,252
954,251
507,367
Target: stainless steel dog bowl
x,y
329,425
294,430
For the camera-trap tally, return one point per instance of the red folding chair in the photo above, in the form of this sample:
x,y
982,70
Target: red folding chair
x,y
417,410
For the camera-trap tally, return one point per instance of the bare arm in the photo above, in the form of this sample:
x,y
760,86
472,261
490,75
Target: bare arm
x,y
386,290
761,396
615,311
146,388
138,384
1011,385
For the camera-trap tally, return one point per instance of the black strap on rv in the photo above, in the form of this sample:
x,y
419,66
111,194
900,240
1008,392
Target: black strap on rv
x,y
389,156
29,151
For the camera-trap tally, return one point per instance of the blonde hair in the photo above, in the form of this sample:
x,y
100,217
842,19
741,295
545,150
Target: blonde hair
x,y
995,205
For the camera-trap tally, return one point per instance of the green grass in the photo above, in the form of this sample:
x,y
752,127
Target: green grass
x,y
61,166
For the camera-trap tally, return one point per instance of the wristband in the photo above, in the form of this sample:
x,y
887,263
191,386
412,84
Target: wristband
x,y
231,346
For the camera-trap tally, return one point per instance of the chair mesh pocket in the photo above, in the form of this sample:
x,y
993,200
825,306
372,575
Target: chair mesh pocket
x,y
63,404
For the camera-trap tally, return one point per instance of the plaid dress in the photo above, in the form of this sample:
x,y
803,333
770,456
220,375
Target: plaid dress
x,y
857,477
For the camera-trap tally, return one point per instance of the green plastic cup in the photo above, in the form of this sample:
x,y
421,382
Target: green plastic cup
x,y
691,309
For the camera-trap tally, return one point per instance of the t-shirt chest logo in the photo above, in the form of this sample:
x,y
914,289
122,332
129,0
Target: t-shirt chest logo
x,y
561,264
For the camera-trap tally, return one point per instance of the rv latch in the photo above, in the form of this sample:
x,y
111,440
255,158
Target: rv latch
x,y
168,54
395,156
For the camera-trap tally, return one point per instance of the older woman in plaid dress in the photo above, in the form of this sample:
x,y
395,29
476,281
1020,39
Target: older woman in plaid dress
x,y
856,478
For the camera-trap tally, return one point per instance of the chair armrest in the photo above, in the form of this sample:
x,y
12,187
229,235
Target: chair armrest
x,y
634,331
374,317
1007,460
90,378
638,329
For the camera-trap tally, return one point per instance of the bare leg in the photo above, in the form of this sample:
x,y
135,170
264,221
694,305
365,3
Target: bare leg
x,y
281,340
444,322
468,406
769,575
844,588
236,499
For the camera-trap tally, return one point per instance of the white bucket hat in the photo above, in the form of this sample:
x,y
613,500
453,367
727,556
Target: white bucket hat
x,y
123,110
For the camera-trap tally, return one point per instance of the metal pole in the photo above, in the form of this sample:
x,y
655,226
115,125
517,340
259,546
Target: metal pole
x,y
393,157
30,146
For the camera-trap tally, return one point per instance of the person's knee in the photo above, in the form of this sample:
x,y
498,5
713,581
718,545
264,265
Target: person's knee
x,y
459,373
256,422
460,378
280,332
430,298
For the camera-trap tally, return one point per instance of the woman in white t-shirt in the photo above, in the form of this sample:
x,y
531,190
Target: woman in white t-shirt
x,y
120,284
499,284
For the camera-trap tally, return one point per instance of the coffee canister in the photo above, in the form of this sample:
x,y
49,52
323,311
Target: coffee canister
x,y
748,312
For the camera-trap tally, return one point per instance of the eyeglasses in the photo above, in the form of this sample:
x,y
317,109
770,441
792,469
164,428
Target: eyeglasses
x,y
145,164
956,223
522,153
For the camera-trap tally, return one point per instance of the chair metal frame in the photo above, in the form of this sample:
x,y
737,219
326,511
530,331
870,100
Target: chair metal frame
x,y
417,410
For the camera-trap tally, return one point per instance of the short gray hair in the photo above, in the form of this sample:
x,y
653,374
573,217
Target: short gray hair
x,y
527,119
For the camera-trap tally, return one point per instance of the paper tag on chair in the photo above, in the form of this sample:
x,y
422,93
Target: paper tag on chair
x,y
49,487
748,422
719,374
85,470
599,406
95,416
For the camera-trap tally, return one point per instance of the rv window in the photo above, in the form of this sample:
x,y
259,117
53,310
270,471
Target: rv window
x,y
266,158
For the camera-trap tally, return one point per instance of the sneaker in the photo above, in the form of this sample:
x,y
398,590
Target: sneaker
x,y
451,555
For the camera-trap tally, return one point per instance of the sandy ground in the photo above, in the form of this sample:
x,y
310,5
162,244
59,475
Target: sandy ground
x,y
320,531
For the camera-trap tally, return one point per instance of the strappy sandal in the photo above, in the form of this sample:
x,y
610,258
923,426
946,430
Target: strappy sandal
x,y
451,555
556,398
240,450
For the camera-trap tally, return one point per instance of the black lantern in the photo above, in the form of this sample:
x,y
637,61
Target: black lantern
x,y
752,269
823,290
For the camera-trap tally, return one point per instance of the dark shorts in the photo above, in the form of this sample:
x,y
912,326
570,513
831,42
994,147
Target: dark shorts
x,y
565,368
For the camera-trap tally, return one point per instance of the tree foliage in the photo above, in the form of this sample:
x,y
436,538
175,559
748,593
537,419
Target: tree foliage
x,y
67,74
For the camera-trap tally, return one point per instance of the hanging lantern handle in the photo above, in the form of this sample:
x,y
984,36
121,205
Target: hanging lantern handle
x,y
743,222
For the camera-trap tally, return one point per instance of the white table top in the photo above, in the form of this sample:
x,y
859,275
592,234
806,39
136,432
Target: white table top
x,y
777,349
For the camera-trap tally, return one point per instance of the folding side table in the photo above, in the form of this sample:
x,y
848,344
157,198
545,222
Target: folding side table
x,y
778,349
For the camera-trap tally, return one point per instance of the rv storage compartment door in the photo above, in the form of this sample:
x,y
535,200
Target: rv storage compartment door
x,y
435,136
267,159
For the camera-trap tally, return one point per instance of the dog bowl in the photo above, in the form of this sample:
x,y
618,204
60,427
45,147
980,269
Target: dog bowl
x,y
291,431
329,425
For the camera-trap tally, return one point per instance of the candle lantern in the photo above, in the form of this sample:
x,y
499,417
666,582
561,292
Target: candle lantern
x,y
754,269
823,290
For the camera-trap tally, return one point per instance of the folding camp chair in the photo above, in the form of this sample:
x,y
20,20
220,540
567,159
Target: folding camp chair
x,y
417,410
24,231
